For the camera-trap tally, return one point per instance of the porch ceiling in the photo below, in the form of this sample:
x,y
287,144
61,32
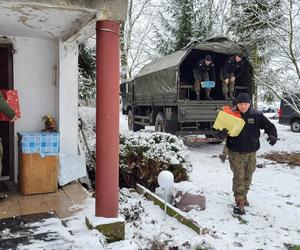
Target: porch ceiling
x,y
44,21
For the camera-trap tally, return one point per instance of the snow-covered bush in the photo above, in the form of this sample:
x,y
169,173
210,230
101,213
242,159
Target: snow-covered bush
x,y
130,205
144,155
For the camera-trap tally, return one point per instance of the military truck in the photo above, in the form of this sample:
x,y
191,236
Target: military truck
x,y
162,94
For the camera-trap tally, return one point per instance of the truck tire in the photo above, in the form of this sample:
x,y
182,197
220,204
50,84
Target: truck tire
x,y
130,120
295,125
131,125
160,123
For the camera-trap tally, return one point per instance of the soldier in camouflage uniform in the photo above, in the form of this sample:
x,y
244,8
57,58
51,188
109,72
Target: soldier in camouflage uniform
x,y
242,149
4,108
204,71
233,69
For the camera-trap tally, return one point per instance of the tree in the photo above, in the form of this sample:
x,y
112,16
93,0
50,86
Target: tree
x,y
282,77
184,21
135,35
87,72
176,28
250,22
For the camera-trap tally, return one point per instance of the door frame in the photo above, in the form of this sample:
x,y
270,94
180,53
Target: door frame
x,y
11,130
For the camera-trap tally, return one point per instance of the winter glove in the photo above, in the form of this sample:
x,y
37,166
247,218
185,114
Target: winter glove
x,y
222,134
272,140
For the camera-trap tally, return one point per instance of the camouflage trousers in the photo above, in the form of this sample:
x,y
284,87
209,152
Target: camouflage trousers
x,y
228,88
1,154
243,166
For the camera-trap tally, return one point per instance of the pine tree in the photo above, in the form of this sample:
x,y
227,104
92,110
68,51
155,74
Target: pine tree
x,y
87,72
249,23
183,21
185,24
177,19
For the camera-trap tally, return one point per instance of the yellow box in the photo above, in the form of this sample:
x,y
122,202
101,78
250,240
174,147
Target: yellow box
x,y
233,124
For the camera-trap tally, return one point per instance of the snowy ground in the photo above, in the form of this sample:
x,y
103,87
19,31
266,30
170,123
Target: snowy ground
x,y
273,217
272,220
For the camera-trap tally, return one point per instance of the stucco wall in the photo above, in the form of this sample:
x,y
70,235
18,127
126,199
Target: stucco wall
x,y
68,97
33,78
72,164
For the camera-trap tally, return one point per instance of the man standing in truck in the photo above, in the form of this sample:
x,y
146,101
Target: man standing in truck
x,y
233,68
204,71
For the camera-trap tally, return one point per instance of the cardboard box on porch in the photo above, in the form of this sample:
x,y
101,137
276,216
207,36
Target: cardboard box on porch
x,y
38,162
12,99
37,174
233,124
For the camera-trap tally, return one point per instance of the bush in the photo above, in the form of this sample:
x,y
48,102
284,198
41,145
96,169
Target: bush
x,y
144,155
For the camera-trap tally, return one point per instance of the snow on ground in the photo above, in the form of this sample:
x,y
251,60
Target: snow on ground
x,y
272,219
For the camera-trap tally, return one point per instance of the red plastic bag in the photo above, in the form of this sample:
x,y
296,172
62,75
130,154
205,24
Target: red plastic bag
x,y
12,99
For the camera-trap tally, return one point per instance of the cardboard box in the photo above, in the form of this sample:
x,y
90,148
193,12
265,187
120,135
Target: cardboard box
x,y
12,99
233,124
38,174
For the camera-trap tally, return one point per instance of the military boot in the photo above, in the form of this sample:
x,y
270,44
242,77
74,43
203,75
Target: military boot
x,y
239,207
231,96
207,95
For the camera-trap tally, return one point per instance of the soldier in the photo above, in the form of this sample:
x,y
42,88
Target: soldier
x,y
204,71
242,149
232,69
12,116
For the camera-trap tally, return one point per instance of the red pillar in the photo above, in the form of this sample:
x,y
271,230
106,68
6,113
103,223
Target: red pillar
x,y
107,118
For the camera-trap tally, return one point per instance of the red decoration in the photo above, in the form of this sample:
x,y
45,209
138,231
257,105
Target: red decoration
x,y
12,99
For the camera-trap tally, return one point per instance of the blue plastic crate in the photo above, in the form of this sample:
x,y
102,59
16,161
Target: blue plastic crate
x,y
208,84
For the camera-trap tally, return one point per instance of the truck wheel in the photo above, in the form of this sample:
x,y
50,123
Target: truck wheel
x,y
160,124
131,124
130,119
295,126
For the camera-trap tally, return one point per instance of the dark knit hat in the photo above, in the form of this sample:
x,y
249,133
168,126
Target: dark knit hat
x,y
243,98
208,58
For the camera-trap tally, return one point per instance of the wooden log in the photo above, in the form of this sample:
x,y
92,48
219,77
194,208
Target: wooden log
x,y
171,210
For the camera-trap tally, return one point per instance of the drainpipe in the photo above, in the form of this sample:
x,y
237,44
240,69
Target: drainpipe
x,y
107,118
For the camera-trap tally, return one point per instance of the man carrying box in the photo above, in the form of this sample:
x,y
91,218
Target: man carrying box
x,y
4,108
204,71
243,147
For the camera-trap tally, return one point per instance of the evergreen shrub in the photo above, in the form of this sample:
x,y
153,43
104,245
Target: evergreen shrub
x,y
144,155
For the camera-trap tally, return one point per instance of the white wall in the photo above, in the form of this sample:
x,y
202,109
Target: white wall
x,y
72,164
68,97
33,78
